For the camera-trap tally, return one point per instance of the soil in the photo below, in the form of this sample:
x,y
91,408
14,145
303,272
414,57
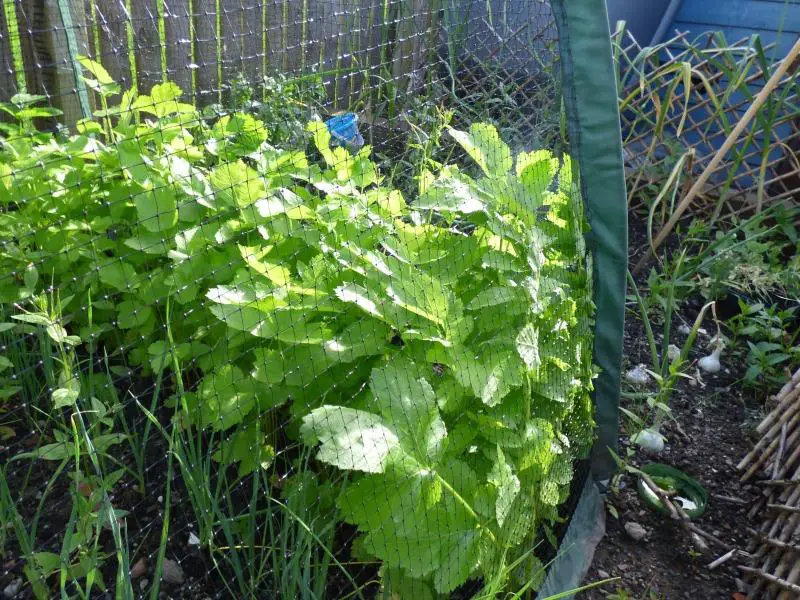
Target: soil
x,y
713,428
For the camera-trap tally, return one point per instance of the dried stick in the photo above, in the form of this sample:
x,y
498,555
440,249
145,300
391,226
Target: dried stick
x,y
776,467
777,482
722,559
782,583
758,455
783,401
730,499
774,542
765,92
784,508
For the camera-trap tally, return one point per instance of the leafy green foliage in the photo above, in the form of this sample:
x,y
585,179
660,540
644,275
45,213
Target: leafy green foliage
x,y
438,349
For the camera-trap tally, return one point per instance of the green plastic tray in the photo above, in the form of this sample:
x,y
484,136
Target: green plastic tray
x,y
687,488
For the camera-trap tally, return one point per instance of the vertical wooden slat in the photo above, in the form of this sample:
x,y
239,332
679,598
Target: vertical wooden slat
x,y
206,44
178,43
251,39
232,41
320,30
32,65
68,37
8,84
147,44
408,60
112,24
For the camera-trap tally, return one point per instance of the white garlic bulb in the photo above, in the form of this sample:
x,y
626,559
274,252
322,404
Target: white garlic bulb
x,y
638,375
649,440
711,363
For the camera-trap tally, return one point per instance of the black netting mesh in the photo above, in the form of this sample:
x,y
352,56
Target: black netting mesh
x,y
295,299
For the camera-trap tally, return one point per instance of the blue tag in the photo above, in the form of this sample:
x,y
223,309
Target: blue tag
x,y
344,131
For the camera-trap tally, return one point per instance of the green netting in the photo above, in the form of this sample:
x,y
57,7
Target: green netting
x,y
303,299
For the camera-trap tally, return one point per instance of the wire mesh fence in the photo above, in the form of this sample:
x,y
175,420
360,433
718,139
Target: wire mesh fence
x,y
295,299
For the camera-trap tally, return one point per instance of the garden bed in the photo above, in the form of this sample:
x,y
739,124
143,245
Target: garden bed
x,y
714,429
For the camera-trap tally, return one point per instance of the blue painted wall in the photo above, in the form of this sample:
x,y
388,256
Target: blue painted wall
x,y
773,20
641,16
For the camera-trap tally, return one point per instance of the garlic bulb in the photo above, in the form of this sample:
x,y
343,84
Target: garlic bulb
x,y
649,440
638,375
684,329
673,352
710,363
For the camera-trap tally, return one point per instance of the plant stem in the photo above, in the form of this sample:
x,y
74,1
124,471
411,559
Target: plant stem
x,y
466,506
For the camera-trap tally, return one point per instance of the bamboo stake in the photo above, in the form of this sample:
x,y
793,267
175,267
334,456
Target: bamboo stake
x,y
778,482
721,153
760,455
788,387
784,508
776,467
774,542
782,583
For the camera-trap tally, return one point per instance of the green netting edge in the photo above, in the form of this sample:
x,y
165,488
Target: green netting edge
x,y
586,529
590,98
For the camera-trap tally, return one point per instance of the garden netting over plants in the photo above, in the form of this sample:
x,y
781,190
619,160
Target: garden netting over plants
x,y
305,299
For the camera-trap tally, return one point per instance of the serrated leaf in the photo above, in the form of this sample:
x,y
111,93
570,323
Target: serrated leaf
x,y
507,483
365,337
119,275
157,208
491,375
549,492
360,296
236,184
350,439
449,194
408,403
528,346
397,586
131,314
226,397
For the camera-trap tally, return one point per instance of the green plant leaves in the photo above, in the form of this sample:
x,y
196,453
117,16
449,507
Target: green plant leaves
x,y
101,82
351,439
435,347
528,346
119,275
484,145
502,476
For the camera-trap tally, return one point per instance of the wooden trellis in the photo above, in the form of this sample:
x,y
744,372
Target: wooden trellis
x,y
681,99
774,465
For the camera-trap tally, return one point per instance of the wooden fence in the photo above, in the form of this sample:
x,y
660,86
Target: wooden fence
x,y
203,44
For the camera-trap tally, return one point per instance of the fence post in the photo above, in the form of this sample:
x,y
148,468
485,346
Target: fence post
x,y
61,36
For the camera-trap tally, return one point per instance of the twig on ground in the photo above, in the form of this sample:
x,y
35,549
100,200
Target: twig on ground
x,y
730,499
722,559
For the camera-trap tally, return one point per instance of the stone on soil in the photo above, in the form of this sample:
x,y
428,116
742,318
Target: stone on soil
x,y
636,531
172,572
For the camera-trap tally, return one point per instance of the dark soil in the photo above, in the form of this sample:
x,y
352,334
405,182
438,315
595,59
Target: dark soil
x,y
713,422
